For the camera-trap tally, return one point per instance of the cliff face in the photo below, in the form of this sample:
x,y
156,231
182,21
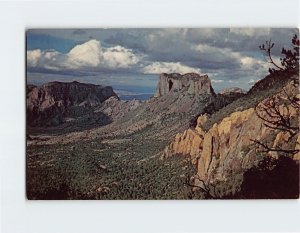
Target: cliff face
x,y
190,142
227,148
167,114
55,99
192,83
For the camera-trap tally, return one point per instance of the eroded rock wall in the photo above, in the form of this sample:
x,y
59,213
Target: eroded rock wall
x,y
228,147
193,83
52,100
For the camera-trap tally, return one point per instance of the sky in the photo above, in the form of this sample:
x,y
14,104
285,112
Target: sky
x,y
131,60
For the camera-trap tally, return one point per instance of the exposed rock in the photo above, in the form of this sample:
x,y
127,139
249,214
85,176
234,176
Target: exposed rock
x,y
49,103
29,88
280,139
189,142
232,90
158,118
228,146
115,108
223,100
192,83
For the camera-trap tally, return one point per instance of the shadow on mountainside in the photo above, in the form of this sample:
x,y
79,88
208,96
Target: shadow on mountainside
x,y
272,179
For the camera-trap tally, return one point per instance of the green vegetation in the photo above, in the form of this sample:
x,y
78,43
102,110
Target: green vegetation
x,y
95,170
269,86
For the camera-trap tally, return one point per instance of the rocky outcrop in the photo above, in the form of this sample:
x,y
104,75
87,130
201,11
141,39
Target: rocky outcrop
x,y
222,100
232,90
167,114
116,109
192,83
190,142
228,148
49,103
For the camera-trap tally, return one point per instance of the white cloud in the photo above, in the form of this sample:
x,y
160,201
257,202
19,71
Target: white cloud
x,y
251,31
119,57
228,55
168,67
33,57
217,81
252,81
51,55
87,55
46,59
248,62
252,63
217,54
244,64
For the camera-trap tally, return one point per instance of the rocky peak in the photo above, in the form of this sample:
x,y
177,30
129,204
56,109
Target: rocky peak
x,y
191,83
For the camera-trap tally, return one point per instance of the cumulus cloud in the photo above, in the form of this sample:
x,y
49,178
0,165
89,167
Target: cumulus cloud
x,y
89,55
229,54
46,59
120,57
51,55
33,57
168,67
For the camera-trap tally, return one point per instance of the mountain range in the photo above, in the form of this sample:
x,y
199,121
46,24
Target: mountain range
x,y
185,142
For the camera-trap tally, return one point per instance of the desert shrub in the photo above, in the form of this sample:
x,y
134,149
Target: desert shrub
x,y
98,171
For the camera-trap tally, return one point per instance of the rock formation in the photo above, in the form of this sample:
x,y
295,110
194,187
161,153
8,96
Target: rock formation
x,y
115,108
192,83
167,114
228,148
190,142
232,90
163,116
50,102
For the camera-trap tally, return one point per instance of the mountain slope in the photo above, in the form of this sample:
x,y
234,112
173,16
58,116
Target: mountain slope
x,y
223,149
51,103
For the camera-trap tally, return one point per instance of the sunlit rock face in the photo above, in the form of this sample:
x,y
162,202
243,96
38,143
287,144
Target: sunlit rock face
x,y
192,83
228,147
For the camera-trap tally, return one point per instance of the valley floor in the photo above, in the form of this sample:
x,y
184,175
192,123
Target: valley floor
x,y
112,168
